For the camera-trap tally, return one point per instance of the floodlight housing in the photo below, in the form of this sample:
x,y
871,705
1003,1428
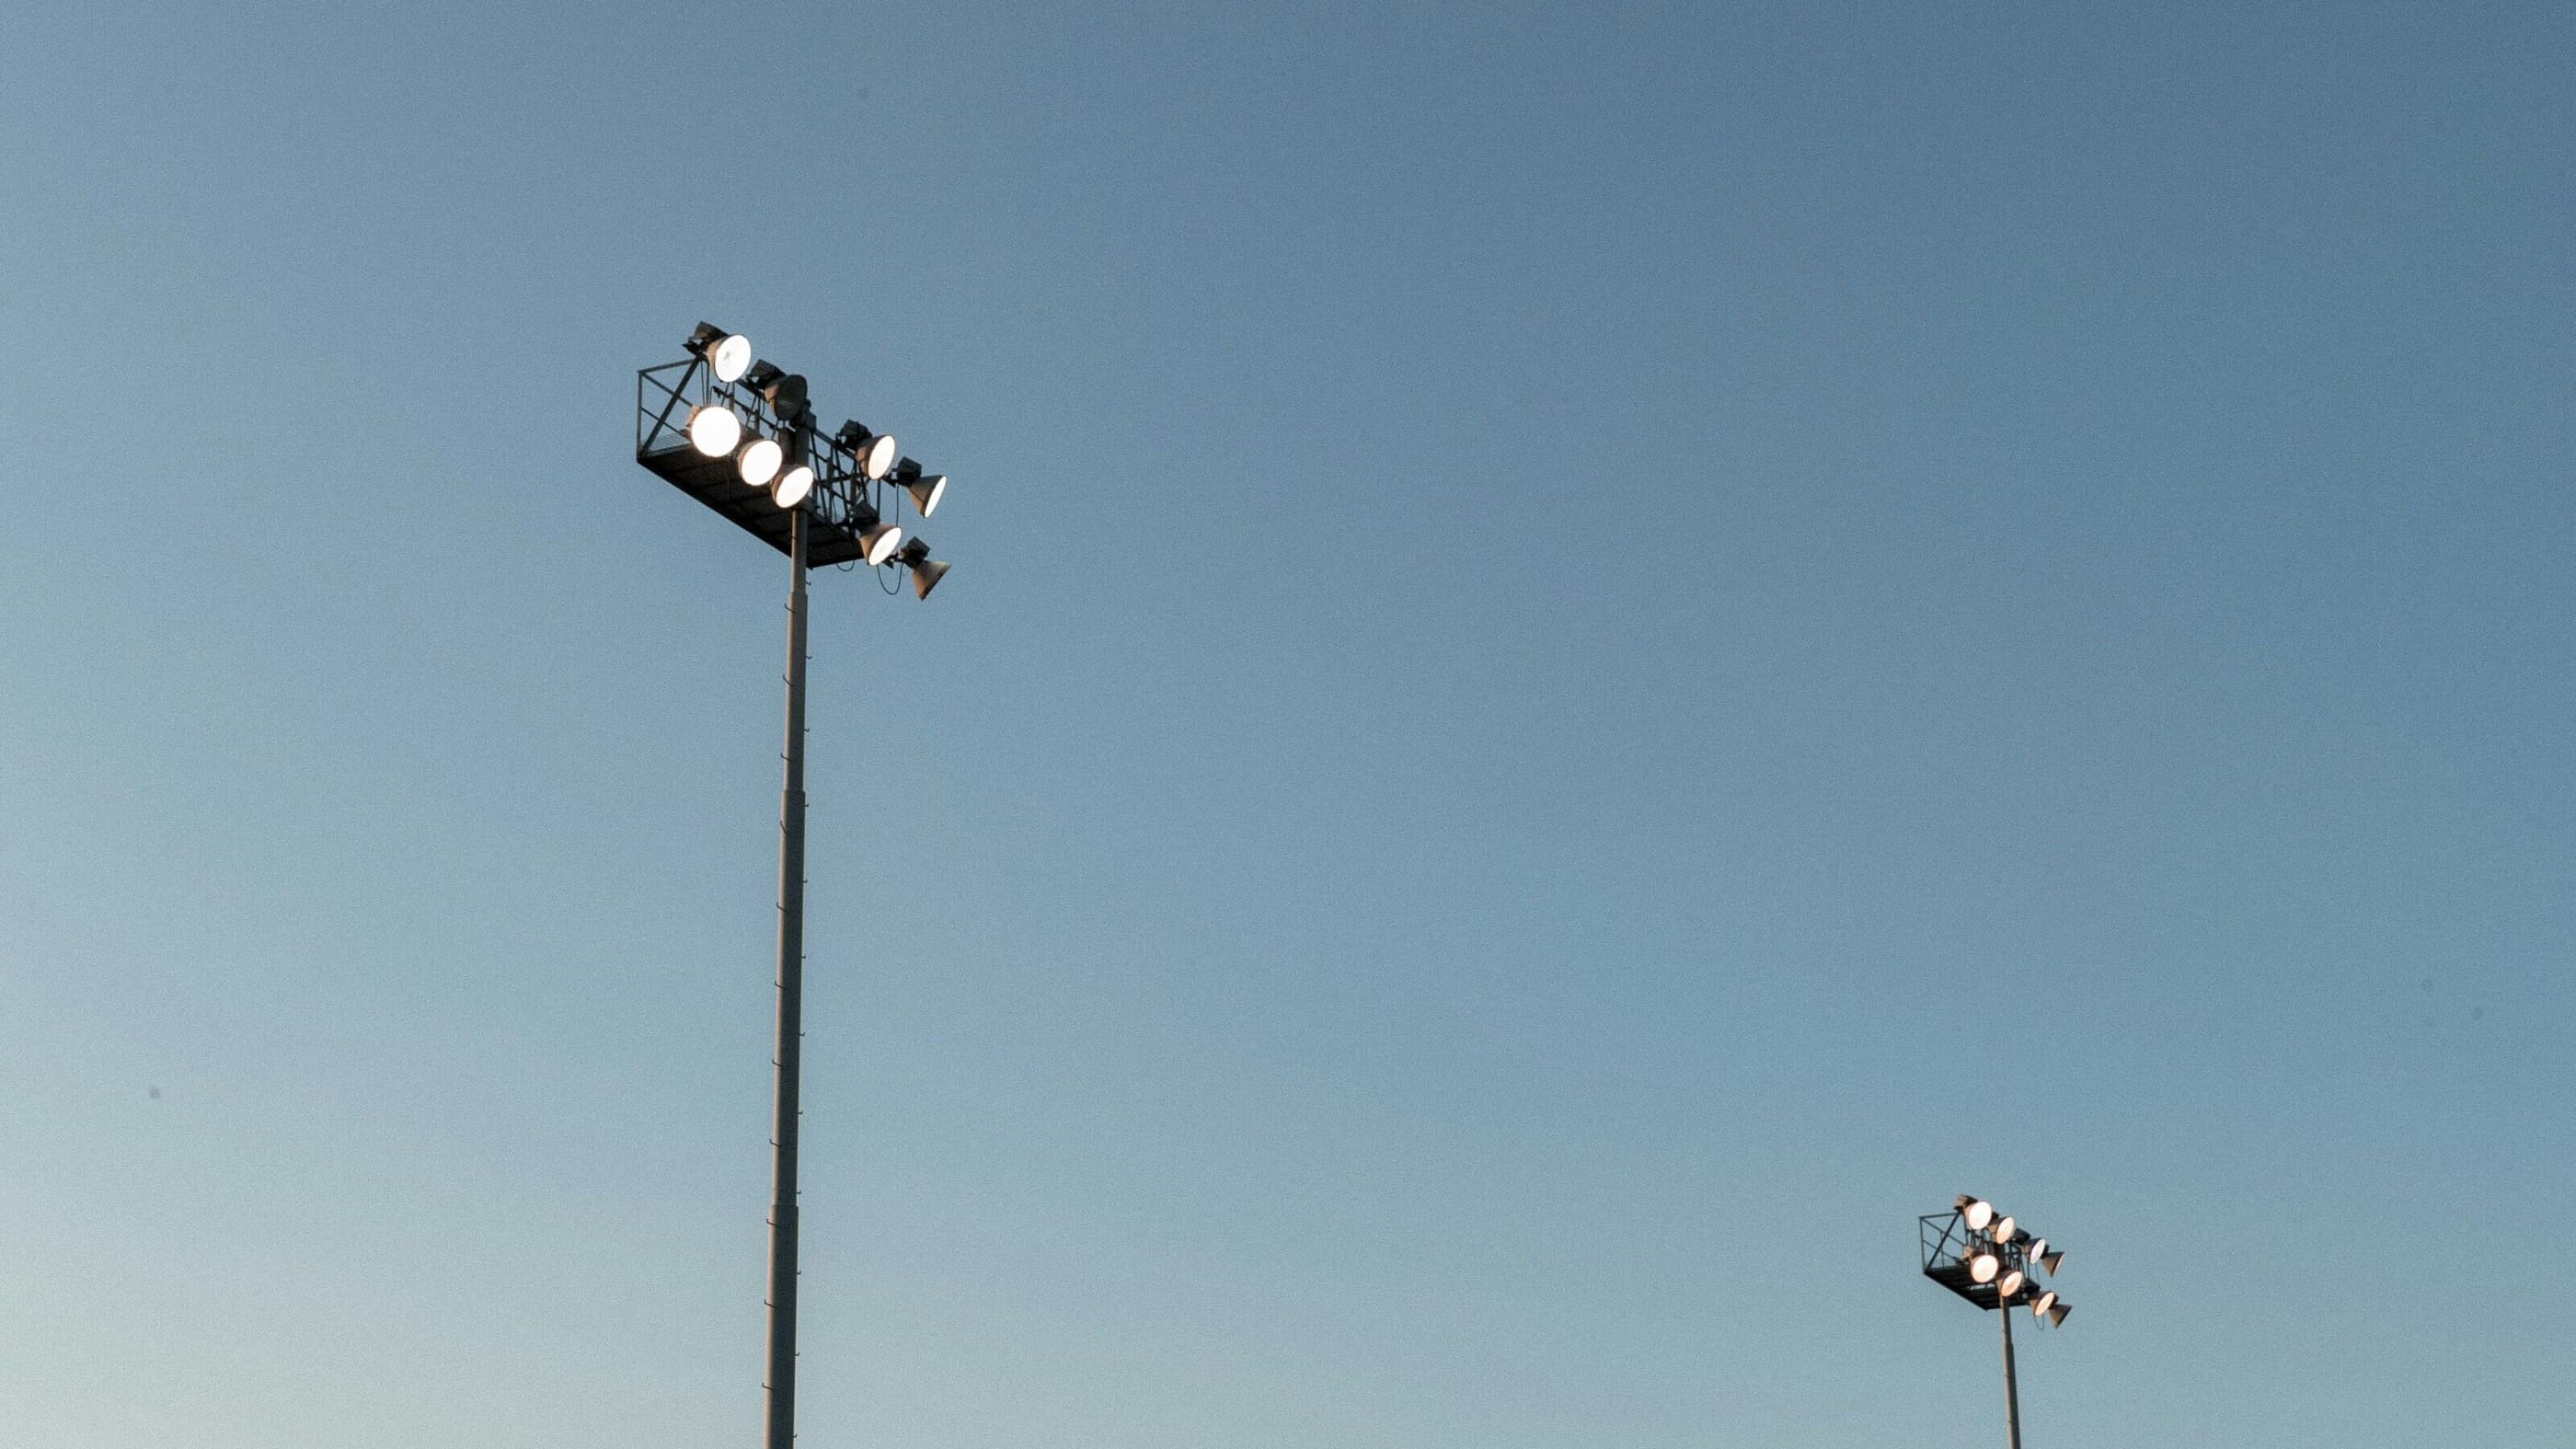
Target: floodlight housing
x,y
926,571
1978,1212
878,539
726,353
2039,1306
714,430
2051,1260
792,486
730,358
2003,1230
1983,1267
2057,1313
759,460
2009,1284
785,395
925,488
875,451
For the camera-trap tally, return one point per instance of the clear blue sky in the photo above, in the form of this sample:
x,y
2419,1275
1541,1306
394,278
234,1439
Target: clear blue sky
x,y
1595,654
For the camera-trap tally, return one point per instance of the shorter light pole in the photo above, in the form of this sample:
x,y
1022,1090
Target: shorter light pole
x,y
1993,1262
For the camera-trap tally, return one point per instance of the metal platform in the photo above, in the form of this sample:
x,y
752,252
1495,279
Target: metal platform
x,y
1947,1245
663,397
713,482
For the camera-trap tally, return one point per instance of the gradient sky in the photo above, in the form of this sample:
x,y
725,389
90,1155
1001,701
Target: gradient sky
x,y
1595,654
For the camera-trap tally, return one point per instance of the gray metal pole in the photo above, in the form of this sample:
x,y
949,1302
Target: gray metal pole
x,y
2012,1391
791,1007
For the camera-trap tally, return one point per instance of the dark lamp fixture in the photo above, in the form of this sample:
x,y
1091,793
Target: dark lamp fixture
x,y
785,395
926,571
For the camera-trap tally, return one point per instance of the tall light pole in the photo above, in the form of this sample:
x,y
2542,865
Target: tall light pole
x,y
739,436
1993,1262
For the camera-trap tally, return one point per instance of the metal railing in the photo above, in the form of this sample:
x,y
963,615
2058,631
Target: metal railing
x,y
843,494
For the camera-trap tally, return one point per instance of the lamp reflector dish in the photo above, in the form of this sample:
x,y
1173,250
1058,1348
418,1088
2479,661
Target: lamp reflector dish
x,y
880,540
1983,1268
1979,1212
2010,1284
2051,1260
793,485
878,457
2003,1230
731,358
760,460
714,430
926,492
2057,1313
2039,1306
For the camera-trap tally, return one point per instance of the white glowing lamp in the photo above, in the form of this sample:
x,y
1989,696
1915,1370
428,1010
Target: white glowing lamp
x,y
792,486
760,460
731,358
714,430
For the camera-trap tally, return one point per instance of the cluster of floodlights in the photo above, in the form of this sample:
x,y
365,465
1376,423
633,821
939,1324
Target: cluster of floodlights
x,y
717,430
2006,1257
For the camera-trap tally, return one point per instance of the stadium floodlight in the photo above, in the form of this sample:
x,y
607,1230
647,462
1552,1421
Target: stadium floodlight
x,y
785,395
878,539
730,358
727,354
759,460
714,430
926,571
1986,1258
875,451
737,434
792,486
926,488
